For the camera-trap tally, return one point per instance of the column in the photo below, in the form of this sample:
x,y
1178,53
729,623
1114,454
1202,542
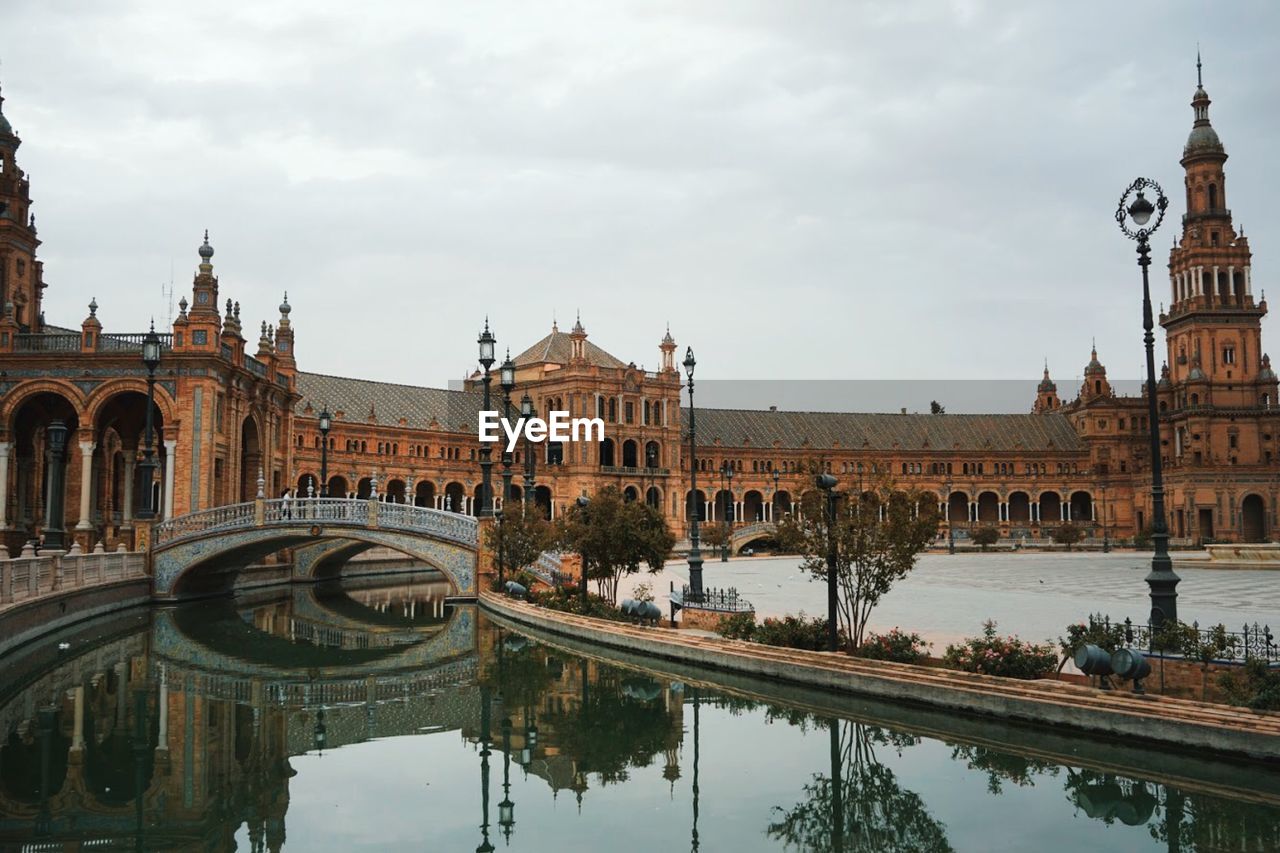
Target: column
x,y
170,455
1064,510
1035,511
1231,282
162,739
1213,288
129,462
77,733
946,511
5,448
1200,280
1248,280
86,484
1004,510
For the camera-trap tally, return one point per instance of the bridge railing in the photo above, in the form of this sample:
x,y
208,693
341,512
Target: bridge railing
x,y
348,512
27,577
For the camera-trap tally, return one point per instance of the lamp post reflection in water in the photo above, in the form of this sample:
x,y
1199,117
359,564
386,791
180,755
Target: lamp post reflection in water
x,y
140,749
694,845
506,808
485,711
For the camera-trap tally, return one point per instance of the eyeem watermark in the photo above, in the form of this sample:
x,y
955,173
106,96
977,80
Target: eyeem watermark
x,y
559,427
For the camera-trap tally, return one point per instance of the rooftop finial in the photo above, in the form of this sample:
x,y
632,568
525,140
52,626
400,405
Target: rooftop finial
x,y
1199,76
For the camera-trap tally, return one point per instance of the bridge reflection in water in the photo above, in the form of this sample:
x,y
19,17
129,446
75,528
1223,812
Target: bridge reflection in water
x,y
200,727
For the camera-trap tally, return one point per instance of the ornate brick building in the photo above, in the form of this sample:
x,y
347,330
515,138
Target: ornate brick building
x,y
229,418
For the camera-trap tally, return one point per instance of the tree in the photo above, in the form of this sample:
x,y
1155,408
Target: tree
x,y
1067,534
936,408
789,535
879,535
861,805
985,536
520,539
716,535
614,537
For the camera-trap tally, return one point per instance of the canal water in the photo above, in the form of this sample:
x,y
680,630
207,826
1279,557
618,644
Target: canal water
x,y
371,716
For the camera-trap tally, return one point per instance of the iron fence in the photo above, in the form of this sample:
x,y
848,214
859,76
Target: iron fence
x,y
723,600
1251,641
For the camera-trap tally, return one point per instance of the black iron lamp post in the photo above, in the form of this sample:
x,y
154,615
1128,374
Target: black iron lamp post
x,y
506,808
951,530
326,424
1106,542
827,483
724,509
507,381
487,343
151,359
320,734
500,516
584,503
695,555
530,461
730,514
1134,219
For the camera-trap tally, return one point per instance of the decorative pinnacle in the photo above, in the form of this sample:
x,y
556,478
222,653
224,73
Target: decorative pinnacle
x,y
93,307
1199,77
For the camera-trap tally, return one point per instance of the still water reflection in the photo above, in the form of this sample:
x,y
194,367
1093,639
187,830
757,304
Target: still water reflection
x,y
373,717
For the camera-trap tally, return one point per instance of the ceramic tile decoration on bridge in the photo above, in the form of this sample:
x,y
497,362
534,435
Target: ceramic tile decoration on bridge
x,y
447,541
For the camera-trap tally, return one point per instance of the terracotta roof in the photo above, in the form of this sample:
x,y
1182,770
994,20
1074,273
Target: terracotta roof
x,y
554,348
735,427
356,398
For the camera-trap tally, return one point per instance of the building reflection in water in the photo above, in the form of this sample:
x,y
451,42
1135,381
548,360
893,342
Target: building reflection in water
x,y
178,735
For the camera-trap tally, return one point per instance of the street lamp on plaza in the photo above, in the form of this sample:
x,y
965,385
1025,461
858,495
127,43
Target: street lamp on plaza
x,y
583,503
150,359
827,483
1106,543
530,459
326,424
1134,219
487,343
951,531
729,514
695,555
507,381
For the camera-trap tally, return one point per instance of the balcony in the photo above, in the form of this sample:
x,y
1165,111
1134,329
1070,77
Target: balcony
x,y
639,472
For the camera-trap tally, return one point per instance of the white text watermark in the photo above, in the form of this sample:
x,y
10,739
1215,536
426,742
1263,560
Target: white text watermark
x,y
558,427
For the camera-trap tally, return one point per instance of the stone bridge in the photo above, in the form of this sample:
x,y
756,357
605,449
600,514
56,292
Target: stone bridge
x,y
745,534
199,554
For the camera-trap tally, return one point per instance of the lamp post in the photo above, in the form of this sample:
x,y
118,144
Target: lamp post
x,y
827,483
530,460
776,477
731,513
320,734
1134,218
487,344
506,381
650,464
695,555
500,515
326,424
506,808
583,503
1106,543
724,511
485,710
951,531
150,358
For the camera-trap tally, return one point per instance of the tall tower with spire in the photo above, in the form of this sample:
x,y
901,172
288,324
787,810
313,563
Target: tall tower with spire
x,y
1213,327
21,275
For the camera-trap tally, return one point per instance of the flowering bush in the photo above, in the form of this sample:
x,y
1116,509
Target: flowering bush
x,y
793,632
896,645
1099,631
1005,656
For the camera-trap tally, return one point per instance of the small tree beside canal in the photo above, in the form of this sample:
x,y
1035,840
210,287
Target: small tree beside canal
x,y
985,537
520,539
614,537
879,535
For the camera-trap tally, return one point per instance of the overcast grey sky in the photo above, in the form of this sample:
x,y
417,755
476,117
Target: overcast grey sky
x,y
819,189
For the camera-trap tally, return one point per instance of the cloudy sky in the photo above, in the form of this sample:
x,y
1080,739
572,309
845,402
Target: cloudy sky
x,y
822,189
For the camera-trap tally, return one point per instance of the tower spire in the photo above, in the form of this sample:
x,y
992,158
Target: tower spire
x,y
1199,76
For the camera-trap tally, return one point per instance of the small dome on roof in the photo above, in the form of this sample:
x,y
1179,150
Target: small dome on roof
x,y
206,251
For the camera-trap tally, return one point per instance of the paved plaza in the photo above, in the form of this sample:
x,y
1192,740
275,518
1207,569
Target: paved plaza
x,y
1033,595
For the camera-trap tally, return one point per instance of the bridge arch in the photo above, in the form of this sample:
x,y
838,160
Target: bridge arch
x,y
201,554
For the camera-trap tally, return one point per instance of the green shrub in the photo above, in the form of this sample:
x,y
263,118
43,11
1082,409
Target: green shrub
x,y
896,645
567,600
1255,686
1098,631
1008,656
985,536
739,626
794,632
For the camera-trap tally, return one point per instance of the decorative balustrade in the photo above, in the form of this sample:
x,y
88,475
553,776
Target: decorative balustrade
x,y
131,342
339,512
37,342
631,469
29,577
256,367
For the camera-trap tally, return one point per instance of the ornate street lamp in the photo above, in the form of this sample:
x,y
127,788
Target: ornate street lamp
x,y
506,808
827,483
1106,542
1134,219
487,344
506,381
695,555
730,514
502,542
151,359
530,458
320,734
326,424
